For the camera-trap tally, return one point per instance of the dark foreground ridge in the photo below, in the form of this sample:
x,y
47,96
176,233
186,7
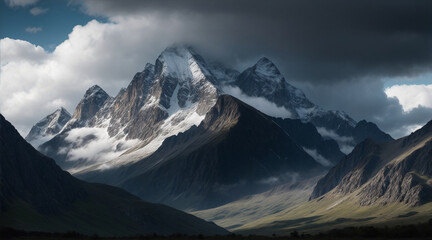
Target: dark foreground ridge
x,y
36,195
417,231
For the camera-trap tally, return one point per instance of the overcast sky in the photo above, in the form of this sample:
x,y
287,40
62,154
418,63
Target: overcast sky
x,y
371,59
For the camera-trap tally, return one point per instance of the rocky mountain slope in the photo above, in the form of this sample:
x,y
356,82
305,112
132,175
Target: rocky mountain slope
x,y
379,184
226,157
48,127
398,171
37,195
173,95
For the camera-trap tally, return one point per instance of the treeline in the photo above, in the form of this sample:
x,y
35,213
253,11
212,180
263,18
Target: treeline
x,y
413,231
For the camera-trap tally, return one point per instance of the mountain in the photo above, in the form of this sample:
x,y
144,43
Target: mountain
x,y
48,127
224,158
174,94
36,195
164,99
264,80
397,171
93,100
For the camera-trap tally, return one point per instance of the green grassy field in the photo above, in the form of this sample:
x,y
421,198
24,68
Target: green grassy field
x,y
334,211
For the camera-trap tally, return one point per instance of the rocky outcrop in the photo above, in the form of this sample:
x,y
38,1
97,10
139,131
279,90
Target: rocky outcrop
x,y
93,100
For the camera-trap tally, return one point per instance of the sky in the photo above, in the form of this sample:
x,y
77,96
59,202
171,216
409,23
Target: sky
x,y
370,58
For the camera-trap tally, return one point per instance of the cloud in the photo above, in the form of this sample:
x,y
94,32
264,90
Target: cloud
x,y
101,149
318,157
38,11
20,3
18,50
332,40
346,144
33,29
365,99
411,96
259,103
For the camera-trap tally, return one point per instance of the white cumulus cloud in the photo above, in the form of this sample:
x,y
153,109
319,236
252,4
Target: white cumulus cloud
x,y
35,82
411,96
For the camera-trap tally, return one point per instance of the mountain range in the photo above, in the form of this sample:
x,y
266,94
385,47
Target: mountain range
x,y
106,135
174,94
246,150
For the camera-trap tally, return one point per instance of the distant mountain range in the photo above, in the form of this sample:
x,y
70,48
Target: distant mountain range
x,y
36,195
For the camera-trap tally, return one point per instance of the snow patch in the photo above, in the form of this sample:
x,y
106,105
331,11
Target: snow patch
x,y
180,63
177,122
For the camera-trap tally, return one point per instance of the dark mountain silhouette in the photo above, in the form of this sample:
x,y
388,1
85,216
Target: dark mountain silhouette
x,y
36,195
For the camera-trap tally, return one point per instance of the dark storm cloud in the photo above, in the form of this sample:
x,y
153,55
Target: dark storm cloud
x,y
314,41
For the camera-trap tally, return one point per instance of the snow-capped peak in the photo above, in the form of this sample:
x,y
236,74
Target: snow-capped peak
x,y
267,70
61,111
48,126
182,63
